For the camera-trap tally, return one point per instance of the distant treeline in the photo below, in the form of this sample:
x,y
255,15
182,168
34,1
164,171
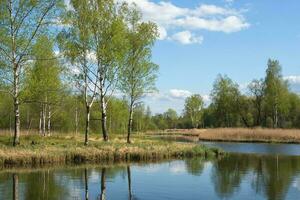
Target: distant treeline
x,y
268,102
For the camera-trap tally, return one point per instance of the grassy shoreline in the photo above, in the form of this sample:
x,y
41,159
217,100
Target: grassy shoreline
x,y
36,150
255,135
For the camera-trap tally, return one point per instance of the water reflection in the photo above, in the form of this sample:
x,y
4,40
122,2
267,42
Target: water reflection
x,y
86,183
195,166
270,176
103,187
238,176
15,187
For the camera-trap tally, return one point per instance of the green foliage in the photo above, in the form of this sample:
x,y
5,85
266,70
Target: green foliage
x,y
225,96
193,109
43,82
139,73
276,93
171,118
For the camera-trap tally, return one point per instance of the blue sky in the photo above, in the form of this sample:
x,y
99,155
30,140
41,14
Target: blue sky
x,y
201,39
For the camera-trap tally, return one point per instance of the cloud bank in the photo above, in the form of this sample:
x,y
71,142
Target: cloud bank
x,y
177,23
174,98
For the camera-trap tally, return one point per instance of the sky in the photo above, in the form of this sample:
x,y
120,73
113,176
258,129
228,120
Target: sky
x,y
200,39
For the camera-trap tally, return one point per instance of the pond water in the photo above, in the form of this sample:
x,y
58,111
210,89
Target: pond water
x,y
258,148
237,176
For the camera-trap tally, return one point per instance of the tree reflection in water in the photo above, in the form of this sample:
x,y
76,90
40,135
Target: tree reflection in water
x,y
86,183
15,187
195,166
270,176
103,186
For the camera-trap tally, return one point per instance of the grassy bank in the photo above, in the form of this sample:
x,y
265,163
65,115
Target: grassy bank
x,y
240,134
36,150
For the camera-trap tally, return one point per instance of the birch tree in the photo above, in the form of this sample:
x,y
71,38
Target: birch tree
x,y
276,92
76,45
43,84
108,31
21,21
193,109
139,73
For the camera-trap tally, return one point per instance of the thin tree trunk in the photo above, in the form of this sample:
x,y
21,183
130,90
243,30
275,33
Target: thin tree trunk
x,y
258,122
87,125
15,187
10,129
276,117
49,120
28,119
40,123
44,120
76,120
130,123
104,118
103,187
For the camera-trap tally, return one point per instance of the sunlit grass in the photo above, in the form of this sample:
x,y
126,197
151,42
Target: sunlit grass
x,y
39,150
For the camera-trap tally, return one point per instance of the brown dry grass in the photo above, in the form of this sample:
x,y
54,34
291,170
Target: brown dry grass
x,y
241,134
67,149
252,135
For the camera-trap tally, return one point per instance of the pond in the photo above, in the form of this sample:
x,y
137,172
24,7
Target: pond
x,y
237,176
258,148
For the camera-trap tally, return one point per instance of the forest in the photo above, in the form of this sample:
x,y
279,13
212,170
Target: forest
x,y
86,69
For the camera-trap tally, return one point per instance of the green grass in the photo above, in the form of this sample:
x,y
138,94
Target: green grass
x,y
36,150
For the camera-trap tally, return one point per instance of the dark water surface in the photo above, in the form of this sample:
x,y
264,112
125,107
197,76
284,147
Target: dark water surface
x,y
237,176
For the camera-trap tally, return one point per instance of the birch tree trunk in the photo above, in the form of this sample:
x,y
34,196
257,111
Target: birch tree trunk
x,y
276,117
104,116
40,122
49,120
16,106
44,120
130,123
87,125
76,120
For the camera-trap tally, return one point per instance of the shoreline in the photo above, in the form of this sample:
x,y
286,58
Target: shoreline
x,y
36,151
243,135
249,141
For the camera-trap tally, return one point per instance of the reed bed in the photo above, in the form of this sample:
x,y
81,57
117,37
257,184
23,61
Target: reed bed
x,y
36,150
238,134
251,135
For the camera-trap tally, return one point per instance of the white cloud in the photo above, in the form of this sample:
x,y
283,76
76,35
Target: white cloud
x,y
186,37
170,17
162,33
177,168
206,98
206,10
292,79
227,25
161,101
294,83
179,94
